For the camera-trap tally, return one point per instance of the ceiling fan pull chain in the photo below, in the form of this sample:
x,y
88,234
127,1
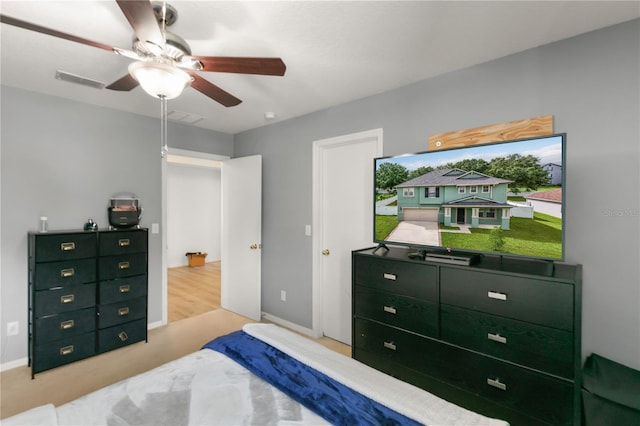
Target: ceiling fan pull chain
x,y
163,126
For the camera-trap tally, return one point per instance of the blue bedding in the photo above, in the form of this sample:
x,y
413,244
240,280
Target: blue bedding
x,y
330,399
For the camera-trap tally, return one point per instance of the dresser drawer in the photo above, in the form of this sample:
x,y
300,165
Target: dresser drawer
x,y
122,242
397,346
66,324
405,312
542,348
63,351
126,265
121,312
58,274
122,335
548,399
122,289
64,299
533,300
406,278
53,247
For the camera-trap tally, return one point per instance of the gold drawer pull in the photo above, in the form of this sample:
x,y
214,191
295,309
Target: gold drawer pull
x,y
67,246
390,345
122,336
68,298
496,383
123,311
124,242
66,273
123,265
66,325
391,277
390,309
497,295
497,338
67,350
125,288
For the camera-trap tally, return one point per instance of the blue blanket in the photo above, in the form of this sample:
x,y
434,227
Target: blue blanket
x,y
328,398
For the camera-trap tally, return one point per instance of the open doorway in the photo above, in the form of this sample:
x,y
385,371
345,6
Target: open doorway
x,y
193,195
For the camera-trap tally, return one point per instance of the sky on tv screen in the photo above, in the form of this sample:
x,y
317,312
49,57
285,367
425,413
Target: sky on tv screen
x,y
547,150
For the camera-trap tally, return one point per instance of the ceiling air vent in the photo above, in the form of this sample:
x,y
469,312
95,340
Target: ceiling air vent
x,y
72,78
184,117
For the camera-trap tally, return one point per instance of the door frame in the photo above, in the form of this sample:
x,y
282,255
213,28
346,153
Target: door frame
x,y
189,158
317,219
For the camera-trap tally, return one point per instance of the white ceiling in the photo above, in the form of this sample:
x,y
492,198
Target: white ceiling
x,y
335,51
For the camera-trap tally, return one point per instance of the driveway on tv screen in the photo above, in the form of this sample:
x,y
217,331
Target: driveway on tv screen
x,y
416,232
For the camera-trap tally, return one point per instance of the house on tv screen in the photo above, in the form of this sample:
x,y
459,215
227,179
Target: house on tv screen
x,y
455,196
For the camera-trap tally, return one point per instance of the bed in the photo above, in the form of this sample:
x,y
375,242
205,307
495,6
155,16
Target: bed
x,y
260,375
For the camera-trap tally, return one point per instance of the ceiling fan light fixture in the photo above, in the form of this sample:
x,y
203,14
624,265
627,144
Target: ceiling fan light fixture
x,y
160,80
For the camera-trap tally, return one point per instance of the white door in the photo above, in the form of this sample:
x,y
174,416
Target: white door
x,y
241,235
343,206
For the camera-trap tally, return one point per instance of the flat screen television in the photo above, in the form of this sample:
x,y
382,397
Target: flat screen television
x,y
504,198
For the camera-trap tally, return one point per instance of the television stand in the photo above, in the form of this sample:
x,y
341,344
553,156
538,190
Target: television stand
x,y
381,245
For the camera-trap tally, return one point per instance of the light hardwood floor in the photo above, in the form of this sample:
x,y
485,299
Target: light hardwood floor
x,y
18,392
193,290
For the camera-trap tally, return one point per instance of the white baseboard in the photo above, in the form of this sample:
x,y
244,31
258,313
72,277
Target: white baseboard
x,y
287,324
152,325
14,364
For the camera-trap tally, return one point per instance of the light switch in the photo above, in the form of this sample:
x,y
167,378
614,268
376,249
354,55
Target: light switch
x,y
155,228
307,230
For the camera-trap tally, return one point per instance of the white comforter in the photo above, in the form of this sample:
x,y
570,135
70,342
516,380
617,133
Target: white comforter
x,y
207,388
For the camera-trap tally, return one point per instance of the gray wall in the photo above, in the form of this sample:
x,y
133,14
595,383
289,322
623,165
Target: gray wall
x,y
65,159
590,84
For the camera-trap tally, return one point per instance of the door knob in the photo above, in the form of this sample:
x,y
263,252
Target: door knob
x,y
326,252
253,246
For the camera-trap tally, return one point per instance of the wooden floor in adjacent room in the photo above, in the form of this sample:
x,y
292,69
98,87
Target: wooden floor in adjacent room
x,y
193,290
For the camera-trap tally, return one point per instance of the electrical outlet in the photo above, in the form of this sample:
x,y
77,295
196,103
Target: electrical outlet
x,y
283,295
13,328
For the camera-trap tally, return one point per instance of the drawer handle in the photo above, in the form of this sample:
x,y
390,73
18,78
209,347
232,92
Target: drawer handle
x,y
67,246
123,336
497,338
67,350
123,311
125,288
390,345
66,273
496,295
124,242
496,383
123,265
68,298
66,325
390,309
391,277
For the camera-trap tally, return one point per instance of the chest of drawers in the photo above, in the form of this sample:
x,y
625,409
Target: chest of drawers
x,y
87,294
501,337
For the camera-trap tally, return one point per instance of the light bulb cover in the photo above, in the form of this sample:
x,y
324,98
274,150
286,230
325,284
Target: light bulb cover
x,y
160,80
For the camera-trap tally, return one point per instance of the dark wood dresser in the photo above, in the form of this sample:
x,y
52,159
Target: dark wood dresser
x,y
87,294
500,337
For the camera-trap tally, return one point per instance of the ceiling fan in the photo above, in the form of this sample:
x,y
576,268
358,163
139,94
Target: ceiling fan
x,y
163,56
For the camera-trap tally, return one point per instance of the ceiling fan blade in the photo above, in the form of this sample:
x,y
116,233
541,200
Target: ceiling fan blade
x,y
55,33
124,84
262,66
214,92
142,19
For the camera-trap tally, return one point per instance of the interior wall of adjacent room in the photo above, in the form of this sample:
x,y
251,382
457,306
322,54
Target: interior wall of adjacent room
x,y
193,212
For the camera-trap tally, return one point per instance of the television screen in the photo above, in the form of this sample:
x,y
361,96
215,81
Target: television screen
x,y
505,198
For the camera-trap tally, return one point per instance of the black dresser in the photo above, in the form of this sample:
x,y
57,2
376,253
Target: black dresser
x,y
87,294
501,337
